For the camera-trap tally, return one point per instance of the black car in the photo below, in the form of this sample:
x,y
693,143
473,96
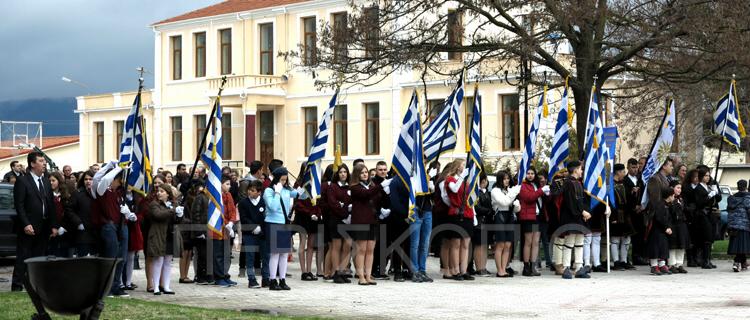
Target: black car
x,y
7,217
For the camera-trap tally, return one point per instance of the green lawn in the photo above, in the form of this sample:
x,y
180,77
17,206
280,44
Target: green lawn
x,y
720,249
15,305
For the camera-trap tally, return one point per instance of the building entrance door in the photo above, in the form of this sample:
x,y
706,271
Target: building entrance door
x,y
266,126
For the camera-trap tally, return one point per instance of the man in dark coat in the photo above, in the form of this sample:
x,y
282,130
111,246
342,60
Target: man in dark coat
x,y
36,219
573,217
634,189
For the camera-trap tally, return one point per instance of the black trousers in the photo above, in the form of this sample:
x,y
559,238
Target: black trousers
x,y
380,259
201,262
27,247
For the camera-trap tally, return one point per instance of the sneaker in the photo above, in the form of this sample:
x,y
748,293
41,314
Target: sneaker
x,y
231,283
253,284
567,274
655,271
379,276
274,285
468,277
398,277
119,293
222,283
283,286
306,276
736,267
417,278
587,269
618,266
484,273
600,268
681,269
583,273
130,287
242,274
425,277
628,266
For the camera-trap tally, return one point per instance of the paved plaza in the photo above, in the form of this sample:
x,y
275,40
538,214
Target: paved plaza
x,y
701,294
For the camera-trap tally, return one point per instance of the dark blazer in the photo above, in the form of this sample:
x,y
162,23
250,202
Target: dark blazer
x,y
574,203
365,203
336,194
29,208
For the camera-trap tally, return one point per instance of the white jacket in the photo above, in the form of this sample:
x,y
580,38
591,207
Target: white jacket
x,y
502,201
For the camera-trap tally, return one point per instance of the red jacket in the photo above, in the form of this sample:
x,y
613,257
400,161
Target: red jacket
x,y
528,198
458,199
365,203
106,208
336,194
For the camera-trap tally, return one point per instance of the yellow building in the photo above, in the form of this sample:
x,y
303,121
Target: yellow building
x,y
271,109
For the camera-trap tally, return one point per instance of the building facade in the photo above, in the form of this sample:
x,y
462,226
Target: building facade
x,y
271,109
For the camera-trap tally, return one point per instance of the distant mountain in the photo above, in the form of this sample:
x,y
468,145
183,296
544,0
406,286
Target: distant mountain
x,y
56,114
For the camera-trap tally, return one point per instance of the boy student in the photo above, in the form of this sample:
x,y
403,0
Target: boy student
x,y
252,213
573,217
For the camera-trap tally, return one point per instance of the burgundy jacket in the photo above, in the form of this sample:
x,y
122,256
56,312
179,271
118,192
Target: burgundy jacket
x,y
335,195
365,203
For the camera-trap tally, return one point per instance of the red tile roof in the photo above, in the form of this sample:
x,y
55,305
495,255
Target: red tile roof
x,y
229,6
47,142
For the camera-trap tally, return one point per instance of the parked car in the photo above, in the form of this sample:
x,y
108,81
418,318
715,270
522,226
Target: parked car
x,y
726,191
7,218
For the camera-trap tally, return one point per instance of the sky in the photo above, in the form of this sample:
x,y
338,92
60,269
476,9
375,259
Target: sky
x,y
97,43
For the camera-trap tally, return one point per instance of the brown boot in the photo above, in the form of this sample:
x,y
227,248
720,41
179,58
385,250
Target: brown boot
x,y
559,269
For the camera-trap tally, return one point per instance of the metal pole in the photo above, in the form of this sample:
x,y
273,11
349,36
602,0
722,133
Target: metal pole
x,y
205,134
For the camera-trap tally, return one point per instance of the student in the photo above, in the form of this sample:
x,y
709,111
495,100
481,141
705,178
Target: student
x,y
252,211
634,189
440,218
339,204
573,217
365,213
461,216
279,200
738,206
544,220
680,237
703,197
531,209
163,240
621,226
69,222
503,198
222,239
420,230
325,263
86,237
659,228
481,237
306,216
199,216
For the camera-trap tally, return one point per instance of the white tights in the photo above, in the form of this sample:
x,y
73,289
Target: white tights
x,y
277,265
129,268
161,268
619,248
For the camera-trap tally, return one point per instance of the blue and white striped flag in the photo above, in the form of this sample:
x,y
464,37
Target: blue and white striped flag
x,y
408,157
595,173
211,158
318,151
440,134
728,119
661,147
475,150
530,145
560,141
134,151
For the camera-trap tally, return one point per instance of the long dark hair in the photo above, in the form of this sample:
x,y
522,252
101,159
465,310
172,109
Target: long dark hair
x,y
327,174
500,177
81,183
277,179
335,176
61,185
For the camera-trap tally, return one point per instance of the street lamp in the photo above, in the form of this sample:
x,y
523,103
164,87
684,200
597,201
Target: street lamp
x,y
69,80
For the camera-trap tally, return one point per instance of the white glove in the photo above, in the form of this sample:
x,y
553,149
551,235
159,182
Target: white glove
x,y
607,211
516,206
80,227
715,188
125,211
431,184
203,236
111,164
132,217
277,188
129,196
712,194
168,204
386,182
229,225
341,204
384,213
464,173
60,231
349,193
300,191
231,233
314,218
349,208
348,220
545,189
256,230
476,222
387,190
180,210
432,173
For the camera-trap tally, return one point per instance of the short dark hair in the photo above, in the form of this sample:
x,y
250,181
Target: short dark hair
x,y
632,162
572,165
618,167
181,165
13,164
742,185
33,155
666,192
381,163
275,163
255,184
255,166
225,178
356,161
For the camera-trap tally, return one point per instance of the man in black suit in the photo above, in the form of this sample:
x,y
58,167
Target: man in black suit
x,y
634,189
35,220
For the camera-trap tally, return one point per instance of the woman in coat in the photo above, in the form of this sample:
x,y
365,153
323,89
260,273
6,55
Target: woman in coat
x,y
530,216
738,225
306,216
163,241
86,237
679,240
69,222
659,228
339,203
481,238
365,213
461,216
503,198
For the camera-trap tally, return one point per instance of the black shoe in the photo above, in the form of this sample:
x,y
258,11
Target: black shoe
x,y
274,286
398,277
157,293
264,283
600,268
425,277
567,274
339,278
681,269
417,278
253,284
313,277
628,266
468,277
130,287
283,286
118,293
583,274
458,277
526,270
534,272
16,288
706,266
713,266
510,271
306,276
379,276
618,266
168,292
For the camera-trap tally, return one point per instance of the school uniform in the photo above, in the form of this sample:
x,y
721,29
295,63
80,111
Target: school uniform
x,y
657,245
621,228
679,240
252,215
459,212
278,206
485,215
338,199
571,218
365,210
639,226
502,205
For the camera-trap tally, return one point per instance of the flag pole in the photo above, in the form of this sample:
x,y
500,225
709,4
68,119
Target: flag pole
x,y
208,128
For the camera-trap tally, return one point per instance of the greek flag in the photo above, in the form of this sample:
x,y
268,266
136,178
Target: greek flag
x,y
211,158
530,145
475,156
134,150
661,147
318,151
727,118
595,174
560,151
408,157
440,134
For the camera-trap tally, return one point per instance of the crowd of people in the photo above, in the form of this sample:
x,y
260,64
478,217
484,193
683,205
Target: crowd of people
x,y
364,219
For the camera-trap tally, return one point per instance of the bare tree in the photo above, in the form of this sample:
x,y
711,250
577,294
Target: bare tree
x,y
659,43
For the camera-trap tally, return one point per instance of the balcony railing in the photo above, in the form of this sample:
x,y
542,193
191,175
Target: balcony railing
x,y
248,81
